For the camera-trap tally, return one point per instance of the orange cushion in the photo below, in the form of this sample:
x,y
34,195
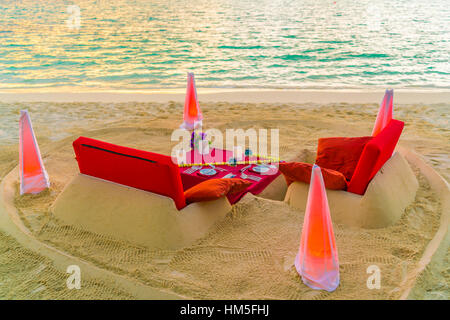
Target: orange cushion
x,y
340,154
299,171
214,189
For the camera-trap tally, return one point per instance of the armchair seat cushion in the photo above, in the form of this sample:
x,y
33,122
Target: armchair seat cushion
x,y
214,189
301,172
340,154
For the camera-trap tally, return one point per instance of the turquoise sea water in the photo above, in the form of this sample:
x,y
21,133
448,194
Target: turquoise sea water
x,y
227,43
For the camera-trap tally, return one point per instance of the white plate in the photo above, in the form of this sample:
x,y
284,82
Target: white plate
x,y
208,172
260,169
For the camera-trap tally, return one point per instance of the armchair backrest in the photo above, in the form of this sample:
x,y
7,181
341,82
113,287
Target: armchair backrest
x,y
130,167
374,155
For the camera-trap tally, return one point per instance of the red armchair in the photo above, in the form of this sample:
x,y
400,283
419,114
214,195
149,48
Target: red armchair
x,y
131,167
375,154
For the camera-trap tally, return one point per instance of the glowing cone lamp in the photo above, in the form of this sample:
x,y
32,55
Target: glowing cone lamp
x,y
317,259
385,112
33,177
192,115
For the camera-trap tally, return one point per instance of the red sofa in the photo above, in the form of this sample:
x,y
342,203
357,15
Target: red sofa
x,y
375,154
131,167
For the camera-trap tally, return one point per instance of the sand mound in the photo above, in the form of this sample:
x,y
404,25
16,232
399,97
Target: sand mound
x,y
392,189
276,190
133,215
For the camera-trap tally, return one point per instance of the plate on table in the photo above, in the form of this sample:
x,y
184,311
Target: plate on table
x,y
260,169
208,172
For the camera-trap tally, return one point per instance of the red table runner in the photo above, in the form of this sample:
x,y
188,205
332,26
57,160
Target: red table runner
x,y
219,156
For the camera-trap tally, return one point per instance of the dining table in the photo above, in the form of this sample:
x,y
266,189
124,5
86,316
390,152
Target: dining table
x,y
219,163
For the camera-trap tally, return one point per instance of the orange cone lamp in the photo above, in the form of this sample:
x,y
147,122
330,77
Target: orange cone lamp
x,y
317,259
33,177
192,115
385,113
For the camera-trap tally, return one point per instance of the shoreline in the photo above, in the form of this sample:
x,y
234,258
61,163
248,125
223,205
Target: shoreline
x,y
401,96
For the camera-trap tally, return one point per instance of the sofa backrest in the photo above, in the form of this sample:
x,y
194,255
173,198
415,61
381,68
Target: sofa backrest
x,y
375,154
131,167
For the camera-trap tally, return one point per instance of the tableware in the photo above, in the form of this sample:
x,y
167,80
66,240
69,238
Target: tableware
x,y
232,162
247,177
192,169
229,176
208,172
217,168
260,169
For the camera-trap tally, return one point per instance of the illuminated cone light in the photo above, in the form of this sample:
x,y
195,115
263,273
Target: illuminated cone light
x,y
385,113
33,177
317,259
192,115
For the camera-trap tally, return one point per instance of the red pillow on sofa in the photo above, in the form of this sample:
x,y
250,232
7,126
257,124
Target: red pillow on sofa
x,y
214,189
299,171
340,154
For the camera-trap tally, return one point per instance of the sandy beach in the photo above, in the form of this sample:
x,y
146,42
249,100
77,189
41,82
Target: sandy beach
x,y
109,189
250,254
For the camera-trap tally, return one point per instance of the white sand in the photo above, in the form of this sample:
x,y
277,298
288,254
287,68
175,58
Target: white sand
x,y
250,254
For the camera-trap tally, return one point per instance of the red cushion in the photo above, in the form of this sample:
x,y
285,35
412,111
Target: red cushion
x,y
375,155
131,167
214,189
299,171
340,154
